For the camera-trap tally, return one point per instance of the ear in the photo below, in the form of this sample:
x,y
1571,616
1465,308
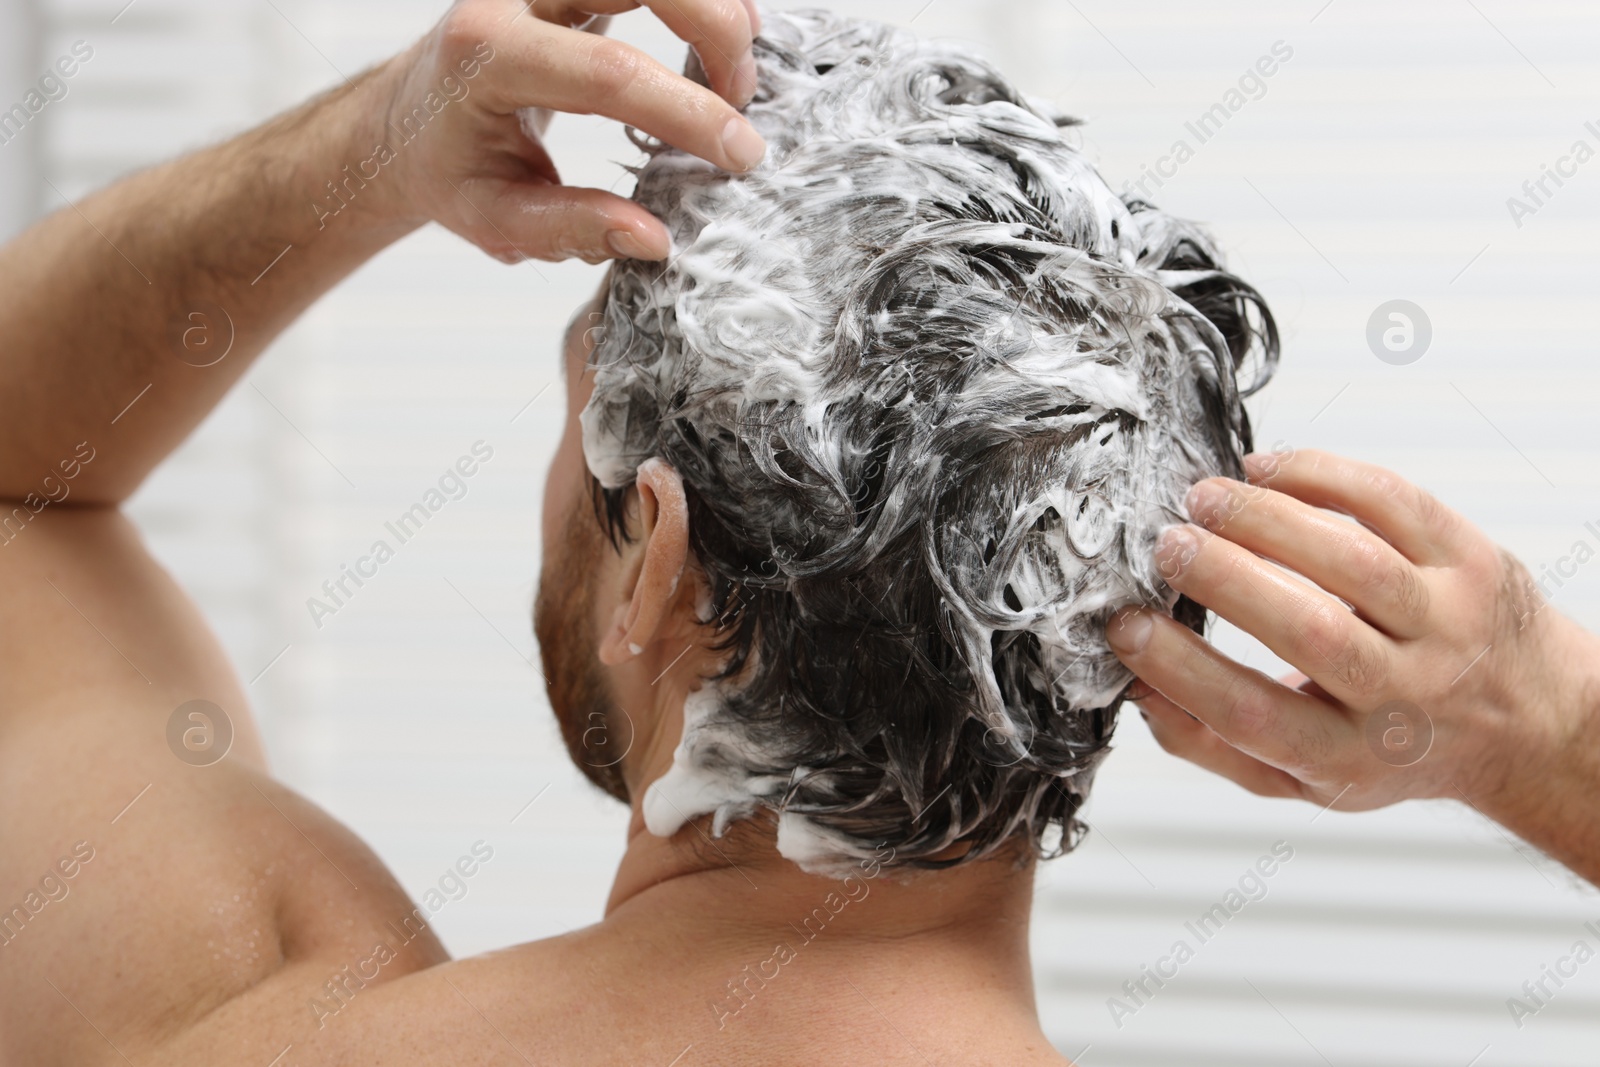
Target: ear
x,y
657,565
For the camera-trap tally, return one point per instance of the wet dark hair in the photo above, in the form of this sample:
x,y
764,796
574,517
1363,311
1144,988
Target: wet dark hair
x,y
933,389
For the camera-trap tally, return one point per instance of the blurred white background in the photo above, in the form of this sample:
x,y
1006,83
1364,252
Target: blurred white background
x,y
1375,165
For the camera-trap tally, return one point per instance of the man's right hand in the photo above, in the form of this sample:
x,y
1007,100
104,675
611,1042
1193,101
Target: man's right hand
x,y
192,267
495,70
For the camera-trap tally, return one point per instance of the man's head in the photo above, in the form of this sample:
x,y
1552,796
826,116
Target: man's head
x,y
907,409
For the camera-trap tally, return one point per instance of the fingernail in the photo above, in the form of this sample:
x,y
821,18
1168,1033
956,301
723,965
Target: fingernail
x,y
742,144
744,79
1260,466
1176,550
1208,503
627,245
1130,631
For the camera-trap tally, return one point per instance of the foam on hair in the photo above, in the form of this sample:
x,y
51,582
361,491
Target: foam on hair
x,y
934,389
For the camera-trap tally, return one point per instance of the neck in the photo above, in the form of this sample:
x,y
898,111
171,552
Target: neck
x,y
736,913
952,932
757,887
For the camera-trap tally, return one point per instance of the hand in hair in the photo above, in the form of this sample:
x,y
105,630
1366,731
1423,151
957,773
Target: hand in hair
x,y
478,165
1430,663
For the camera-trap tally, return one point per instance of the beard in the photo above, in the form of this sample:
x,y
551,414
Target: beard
x,y
597,733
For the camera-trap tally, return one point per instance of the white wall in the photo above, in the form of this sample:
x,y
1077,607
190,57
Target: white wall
x,y
19,159
1376,166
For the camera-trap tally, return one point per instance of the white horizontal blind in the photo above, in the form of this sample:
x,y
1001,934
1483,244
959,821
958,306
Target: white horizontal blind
x,y
1375,164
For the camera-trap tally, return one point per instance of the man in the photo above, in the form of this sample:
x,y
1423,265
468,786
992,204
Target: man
x,y
799,696
179,914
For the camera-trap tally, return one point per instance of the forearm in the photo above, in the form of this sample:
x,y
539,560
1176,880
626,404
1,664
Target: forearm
x,y
1550,796
111,308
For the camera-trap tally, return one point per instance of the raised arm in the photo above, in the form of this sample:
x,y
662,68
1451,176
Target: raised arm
x,y
161,899
127,316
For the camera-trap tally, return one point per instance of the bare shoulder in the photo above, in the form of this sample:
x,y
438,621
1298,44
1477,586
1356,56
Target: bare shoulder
x,y
150,887
623,994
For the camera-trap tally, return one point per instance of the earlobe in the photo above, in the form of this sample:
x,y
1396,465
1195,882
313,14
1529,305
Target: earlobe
x,y
664,538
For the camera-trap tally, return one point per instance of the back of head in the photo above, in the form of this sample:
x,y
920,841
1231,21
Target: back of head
x,y
933,389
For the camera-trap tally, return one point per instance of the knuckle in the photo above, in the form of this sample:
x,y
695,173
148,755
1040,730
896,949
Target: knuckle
x,y
1164,737
465,26
1310,749
1323,628
496,244
501,250
1432,514
1521,599
1362,667
1383,577
1487,565
1219,567
1313,461
1366,562
1263,787
1411,597
613,67
1225,503
1386,484
723,20
1249,710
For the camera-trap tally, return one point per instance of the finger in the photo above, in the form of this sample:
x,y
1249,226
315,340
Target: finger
x,y
540,65
577,13
1187,738
1413,521
1347,560
530,64
1280,727
1301,624
514,221
719,31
